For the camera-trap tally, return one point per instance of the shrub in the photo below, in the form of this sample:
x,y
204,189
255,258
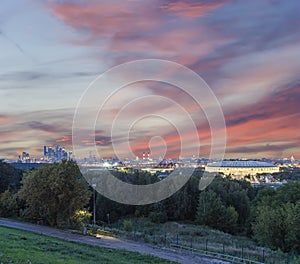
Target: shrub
x,y
127,225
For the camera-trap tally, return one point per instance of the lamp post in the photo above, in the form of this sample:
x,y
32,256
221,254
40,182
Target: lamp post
x,y
94,203
108,220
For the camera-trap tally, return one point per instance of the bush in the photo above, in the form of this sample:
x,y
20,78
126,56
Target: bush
x,y
81,218
158,217
127,225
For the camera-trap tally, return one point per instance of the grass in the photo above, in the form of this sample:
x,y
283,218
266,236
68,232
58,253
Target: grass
x,y
202,238
24,247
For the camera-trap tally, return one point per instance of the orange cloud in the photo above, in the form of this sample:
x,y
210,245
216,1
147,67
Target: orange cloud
x,y
270,125
67,139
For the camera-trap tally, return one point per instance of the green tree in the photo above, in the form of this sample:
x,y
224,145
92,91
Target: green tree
x,y
289,193
8,204
273,226
231,219
182,205
211,211
293,236
234,193
10,178
53,193
277,217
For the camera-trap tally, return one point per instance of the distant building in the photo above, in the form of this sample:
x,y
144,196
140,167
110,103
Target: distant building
x,y
24,157
56,153
241,168
45,151
292,160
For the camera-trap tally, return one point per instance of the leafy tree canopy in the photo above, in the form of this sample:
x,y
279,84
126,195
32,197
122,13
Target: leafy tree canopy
x,y
53,193
10,177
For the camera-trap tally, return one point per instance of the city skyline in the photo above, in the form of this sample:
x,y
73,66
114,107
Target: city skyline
x,y
54,153
247,52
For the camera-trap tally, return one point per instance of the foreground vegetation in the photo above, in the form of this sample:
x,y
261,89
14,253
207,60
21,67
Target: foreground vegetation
x,y
57,195
24,247
195,238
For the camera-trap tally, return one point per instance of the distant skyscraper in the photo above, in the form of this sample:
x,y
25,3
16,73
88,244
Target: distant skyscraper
x,y
292,160
25,157
56,153
50,152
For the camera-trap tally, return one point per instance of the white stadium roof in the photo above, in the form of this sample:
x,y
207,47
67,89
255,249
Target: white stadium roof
x,y
241,164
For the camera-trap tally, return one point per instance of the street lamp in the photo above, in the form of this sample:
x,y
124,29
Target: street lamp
x,y
94,203
108,221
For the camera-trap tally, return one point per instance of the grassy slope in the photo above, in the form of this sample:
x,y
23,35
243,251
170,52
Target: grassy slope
x,y
201,237
24,247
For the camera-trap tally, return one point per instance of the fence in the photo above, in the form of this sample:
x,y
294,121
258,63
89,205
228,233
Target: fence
x,y
187,243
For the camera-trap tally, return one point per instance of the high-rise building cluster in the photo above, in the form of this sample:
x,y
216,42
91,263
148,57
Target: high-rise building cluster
x,y
24,157
56,153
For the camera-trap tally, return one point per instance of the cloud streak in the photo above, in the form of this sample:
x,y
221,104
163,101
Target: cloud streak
x,y
192,9
247,51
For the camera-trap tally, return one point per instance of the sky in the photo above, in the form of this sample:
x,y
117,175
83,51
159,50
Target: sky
x,y
248,53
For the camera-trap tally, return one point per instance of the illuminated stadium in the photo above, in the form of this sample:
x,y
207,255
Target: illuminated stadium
x,y
241,168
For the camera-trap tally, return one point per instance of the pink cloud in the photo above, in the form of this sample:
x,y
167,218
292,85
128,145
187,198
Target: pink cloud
x,y
129,30
191,10
105,18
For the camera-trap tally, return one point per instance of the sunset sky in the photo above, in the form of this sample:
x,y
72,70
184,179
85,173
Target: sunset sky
x,y
248,52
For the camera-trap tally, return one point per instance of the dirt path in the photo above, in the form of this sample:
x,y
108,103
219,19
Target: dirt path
x,y
111,242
